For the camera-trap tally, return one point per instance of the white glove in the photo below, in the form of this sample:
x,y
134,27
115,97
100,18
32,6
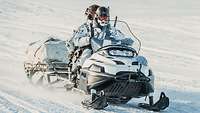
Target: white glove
x,y
84,41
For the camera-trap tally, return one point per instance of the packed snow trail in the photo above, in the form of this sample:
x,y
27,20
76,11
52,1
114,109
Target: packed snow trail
x,y
169,32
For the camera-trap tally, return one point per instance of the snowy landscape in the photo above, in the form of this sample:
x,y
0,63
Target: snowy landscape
x,y
169,32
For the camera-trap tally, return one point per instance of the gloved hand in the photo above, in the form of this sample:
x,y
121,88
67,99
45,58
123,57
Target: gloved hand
x,y
84,41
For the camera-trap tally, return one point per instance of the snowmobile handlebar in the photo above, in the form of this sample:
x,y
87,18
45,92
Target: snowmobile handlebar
x,y
129,29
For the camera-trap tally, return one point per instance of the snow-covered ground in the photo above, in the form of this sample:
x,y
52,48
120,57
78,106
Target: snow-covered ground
x,y
170,35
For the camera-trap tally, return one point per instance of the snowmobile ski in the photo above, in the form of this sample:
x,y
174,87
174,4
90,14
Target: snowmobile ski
x,y
161,104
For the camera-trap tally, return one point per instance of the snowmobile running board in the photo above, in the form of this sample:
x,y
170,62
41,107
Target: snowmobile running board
x,y
161,104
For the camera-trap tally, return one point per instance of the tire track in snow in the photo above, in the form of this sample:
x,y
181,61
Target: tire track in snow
x,y
18,105
36,105
7,106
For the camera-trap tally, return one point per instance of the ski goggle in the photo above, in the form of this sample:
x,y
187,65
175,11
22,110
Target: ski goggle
x,y
103,18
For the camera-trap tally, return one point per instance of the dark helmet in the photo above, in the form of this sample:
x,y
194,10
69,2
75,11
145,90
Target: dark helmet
x,y
102,15
91,11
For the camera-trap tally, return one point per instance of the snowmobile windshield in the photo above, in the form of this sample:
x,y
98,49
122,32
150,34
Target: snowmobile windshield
x,y
116,34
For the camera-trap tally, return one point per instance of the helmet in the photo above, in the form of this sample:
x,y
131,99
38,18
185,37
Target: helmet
x,y
102,15
91,11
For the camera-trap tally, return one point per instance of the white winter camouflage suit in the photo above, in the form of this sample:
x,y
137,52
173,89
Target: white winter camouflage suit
x,y
82,37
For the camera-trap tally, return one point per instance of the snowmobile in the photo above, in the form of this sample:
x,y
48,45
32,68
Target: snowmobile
x,y
114,74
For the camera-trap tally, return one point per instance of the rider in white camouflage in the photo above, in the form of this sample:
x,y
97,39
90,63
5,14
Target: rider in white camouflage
x,y
97,20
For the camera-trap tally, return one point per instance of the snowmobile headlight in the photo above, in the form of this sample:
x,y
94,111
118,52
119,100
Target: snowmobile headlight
x,y
125,53
119,62
96,68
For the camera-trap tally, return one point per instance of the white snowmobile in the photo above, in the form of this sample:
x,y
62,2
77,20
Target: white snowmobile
x,y
116,72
